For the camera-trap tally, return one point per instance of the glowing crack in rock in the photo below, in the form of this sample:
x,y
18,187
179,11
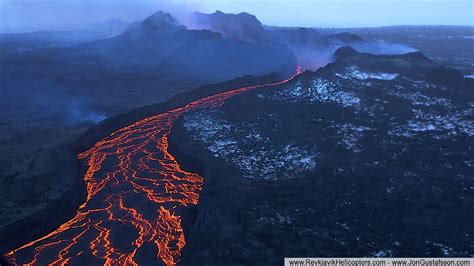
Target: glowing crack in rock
x,y
136,194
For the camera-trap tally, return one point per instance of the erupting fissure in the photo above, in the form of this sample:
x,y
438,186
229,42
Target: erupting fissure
x,y
136,193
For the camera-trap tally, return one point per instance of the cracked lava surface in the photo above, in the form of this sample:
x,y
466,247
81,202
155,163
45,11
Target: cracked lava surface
x,y
136,193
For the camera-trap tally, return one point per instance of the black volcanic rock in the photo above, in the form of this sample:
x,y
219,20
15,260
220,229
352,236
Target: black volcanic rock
x,y
349,53
345,52
452,79
357,159
419,57
413,64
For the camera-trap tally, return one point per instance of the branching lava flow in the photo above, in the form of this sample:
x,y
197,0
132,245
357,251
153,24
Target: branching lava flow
x,y
136,192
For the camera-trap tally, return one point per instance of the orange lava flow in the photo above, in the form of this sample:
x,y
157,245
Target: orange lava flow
x,y
136,194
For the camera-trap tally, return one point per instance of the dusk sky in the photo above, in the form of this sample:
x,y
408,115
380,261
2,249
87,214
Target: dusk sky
x,y
65,14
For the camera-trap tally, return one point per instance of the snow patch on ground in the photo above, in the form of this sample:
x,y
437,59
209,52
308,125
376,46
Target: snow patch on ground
x,y
321,90
279,219
249,150
417,98
449,124
350,135
354,72
382,253
446,250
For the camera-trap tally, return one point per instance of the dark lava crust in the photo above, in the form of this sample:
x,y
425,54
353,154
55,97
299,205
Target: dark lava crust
x,y
391,139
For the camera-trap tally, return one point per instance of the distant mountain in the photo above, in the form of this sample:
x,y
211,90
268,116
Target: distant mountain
x,y
110,28
242,26
150,61
311,48
159,21
20,42
161,40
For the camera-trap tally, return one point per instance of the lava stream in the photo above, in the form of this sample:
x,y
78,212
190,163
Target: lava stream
x,y
136,192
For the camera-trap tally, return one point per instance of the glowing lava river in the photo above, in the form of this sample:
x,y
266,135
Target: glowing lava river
x,y
136,194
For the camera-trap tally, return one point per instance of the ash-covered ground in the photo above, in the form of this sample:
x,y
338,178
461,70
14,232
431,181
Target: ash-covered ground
x,y
369,156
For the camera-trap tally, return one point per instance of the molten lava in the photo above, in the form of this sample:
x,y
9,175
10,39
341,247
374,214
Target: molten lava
x,y
136,192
